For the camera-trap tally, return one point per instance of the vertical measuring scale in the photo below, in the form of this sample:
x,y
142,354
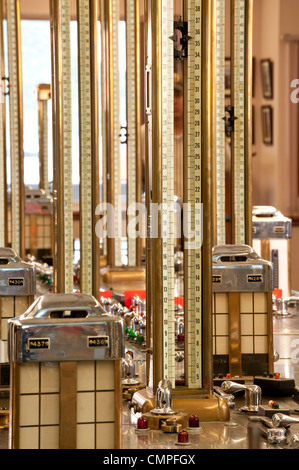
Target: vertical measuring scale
x,y
16,129
133,124
3,177
116,175
104,106
168,190
193,195
88,136
220,130
161,229
238,135
62,145
131,121
85,136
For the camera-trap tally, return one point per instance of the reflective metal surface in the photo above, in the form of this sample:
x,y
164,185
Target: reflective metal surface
x,y
253,394
238,268
268,222
16,276
65,327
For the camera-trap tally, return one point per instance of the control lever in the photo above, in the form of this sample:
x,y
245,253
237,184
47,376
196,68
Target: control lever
x,y
230,399
280,420
273,435
253,394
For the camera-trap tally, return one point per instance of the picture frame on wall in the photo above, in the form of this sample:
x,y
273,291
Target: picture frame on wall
x,y
267,125
267,78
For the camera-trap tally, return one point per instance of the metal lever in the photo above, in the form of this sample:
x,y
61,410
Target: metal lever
x,y
272,434
280,420
230,399
253,394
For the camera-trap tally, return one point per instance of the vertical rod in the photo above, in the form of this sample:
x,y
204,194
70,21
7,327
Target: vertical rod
x,y
16,127
94,14
248,121
62,147
148,188
105,106
43,95
40,106
138,124
156,191
3,169
207,194
110,153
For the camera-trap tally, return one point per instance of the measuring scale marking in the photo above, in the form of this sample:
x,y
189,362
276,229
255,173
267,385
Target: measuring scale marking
x,y
193,260
85,147
131,120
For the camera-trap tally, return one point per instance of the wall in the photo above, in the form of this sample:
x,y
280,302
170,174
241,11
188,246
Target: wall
x,y
275,167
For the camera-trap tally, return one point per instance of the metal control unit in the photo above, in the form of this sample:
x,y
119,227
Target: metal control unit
x,y
242,311
17,290
66,359
39,221
272,233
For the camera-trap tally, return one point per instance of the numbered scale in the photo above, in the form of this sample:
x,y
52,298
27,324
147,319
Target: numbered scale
x,y
3,178
133,124
220,129
16,128
88,136
62,146
197,190
119,275
241,72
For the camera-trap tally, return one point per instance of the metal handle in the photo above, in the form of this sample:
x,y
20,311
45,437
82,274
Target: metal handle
x,y
253,393
280,420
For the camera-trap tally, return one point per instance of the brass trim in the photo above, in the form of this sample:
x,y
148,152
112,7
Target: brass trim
x,y
4,168
94,15
22,252
139,241
110,125
207,196
289,266
265,249
207,409
14,429
156,243
270,334
248,121
68,405
235,358
118,404
147,145
58,167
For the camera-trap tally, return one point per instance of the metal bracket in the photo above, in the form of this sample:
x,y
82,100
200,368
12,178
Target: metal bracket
x,y
180,39
8,86
229,119
123,134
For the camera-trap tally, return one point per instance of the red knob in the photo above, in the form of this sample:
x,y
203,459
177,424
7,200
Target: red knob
x,y
183,437
142,423
193,421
